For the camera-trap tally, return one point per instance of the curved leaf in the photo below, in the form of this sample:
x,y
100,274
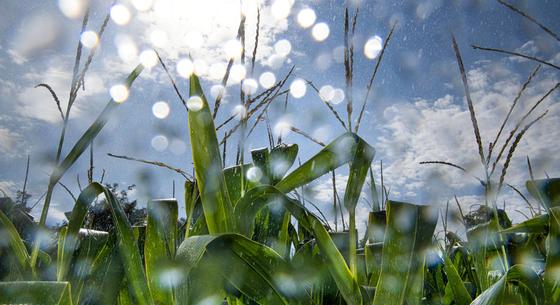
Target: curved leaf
x,y
259,197
208,164
530,288
460,294
407,235
546,191
251,268
47,293
14,240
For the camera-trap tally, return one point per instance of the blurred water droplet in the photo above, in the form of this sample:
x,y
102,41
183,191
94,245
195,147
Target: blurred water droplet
x,y
89,39
160,110
326,93
283,47
254,174
72,8
148,58
281,9
239,112
200,67
195,103
119,93
217,90
185,68
320,31
338,96
159,143
373,47
250,86
142,5
306,17
233,49
298,88
267,80
120,14
237,73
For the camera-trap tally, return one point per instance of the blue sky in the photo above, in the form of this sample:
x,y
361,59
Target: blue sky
x,y
415,113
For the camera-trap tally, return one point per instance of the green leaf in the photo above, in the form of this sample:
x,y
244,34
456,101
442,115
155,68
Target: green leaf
x,y
539,224
14,241
159,248
460,293
546,191
46,293
208,164
529,289
127,243
281,158
407,236
262,196
191,198
251,268
552,266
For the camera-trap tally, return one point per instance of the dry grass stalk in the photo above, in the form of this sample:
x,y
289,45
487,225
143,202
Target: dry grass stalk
x,y
155,163
533,58
529,17
331,108
172,81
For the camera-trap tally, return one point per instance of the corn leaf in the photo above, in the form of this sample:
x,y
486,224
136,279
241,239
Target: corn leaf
x,y
208,164
529,289
14,241
460,294
546,191
159,247
247,266
262,196
46,293
408,234
551,277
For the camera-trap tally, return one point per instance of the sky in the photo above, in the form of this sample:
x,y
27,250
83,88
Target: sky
x,y
416,110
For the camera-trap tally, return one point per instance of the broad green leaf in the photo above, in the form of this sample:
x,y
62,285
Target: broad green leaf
x,y
376,206
45,293
261,159
407,236
159,248
281,158
191,198
529,289
127,243
552,266
460,294
208,162
539,224
234,180
14,241
546,191
259,197
251,268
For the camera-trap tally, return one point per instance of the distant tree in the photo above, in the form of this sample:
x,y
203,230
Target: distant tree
x,y
99,215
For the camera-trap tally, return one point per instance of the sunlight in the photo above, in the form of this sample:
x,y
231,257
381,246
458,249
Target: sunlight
x,y
119,93
185,68
298,88
320,31
89,39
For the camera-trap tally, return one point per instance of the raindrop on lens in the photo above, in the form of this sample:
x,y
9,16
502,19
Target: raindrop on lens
x,y
233,48
148,58
194,103
281,9
185,68
298,88
283,47
267,80
239,112
142,5
254,174
306,17
160,110
373,47
338,96
158,38
200,67
237,73
320,31
89,39
119,93
160,142
326,93
120,14
216,90
249,86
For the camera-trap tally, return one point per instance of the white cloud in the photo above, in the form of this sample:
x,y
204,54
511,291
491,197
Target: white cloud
x,y
10,143
441,129
37,103
9,187
201,29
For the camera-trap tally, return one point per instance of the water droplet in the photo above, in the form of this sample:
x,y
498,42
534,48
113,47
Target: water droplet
x,y
320,31
126,48
233,49
158,38
306,17
185,68
281,9
298,88
72,8
89,39
254,174
373,47
239,112
283,47
267,80
338,96
217,70
148,58
142,5
200,67
160,142
326,93
119,93
120,14
195,103
282,128
237,73
249,86
217,90
160,110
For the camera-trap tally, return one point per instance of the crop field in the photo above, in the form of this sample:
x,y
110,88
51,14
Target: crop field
x,y
275,200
